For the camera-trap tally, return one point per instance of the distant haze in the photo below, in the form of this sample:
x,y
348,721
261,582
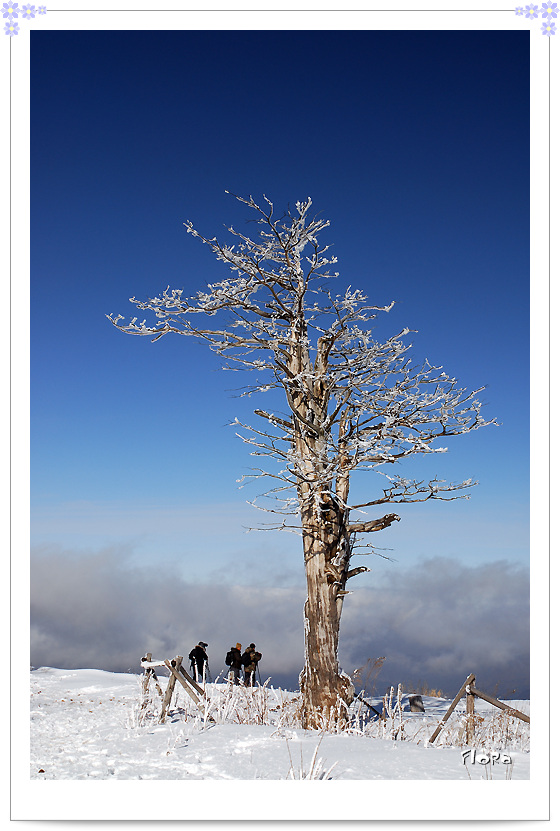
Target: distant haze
x,y
434,622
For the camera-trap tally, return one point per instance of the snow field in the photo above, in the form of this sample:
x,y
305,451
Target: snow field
x,y
89,724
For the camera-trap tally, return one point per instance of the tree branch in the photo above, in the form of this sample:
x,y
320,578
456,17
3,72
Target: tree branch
x,y
373,525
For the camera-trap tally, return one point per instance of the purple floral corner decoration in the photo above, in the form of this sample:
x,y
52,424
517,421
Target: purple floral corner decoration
x,y
547,12
12,11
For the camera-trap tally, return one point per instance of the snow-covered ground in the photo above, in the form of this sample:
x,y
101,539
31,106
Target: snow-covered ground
x,y
88,724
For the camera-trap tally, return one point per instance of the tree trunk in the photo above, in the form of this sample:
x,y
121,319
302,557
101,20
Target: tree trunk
x,y
324,689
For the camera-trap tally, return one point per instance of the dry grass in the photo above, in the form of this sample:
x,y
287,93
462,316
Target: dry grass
x,y
316,770
493,730
364,678
226,703
422,688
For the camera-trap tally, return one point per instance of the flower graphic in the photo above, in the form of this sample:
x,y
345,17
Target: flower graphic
x,y
10,10
547,11
11,28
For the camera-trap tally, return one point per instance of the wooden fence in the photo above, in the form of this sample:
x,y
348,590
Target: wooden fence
x,y
471,693
178,673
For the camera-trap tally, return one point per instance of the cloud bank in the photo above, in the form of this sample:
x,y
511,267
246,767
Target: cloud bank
x,y
434,622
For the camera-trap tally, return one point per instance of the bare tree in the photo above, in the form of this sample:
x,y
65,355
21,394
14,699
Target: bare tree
x,y
350,402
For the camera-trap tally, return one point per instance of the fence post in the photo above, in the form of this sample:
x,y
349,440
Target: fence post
x,y
146,679
470,713
170,687
148,671
452,706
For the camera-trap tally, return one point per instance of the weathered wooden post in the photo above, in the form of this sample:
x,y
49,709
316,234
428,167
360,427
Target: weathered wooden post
x,y
149,673
146,680
450,709
470,712
176,663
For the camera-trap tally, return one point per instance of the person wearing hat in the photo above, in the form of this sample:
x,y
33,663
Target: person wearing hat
x,y
250,659
198,659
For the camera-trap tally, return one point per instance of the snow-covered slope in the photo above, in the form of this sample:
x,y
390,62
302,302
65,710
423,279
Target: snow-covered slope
x,y
87,724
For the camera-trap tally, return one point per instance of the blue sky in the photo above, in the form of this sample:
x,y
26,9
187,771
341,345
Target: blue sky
x,y
414,144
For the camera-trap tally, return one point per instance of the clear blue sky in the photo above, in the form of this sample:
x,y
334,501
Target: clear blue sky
x,y
414,144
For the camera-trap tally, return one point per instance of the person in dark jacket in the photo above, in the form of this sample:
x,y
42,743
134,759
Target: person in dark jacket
x,y
233,660
198,659
250,660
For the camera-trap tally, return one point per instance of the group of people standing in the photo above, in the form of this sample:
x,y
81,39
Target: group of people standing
x,y
242,665
248,661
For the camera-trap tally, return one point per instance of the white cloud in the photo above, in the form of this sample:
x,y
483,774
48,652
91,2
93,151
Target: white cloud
x,y
440,620
434,622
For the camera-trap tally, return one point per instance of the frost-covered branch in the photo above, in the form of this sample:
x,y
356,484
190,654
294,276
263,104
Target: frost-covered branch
x,y
409,490
354,403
